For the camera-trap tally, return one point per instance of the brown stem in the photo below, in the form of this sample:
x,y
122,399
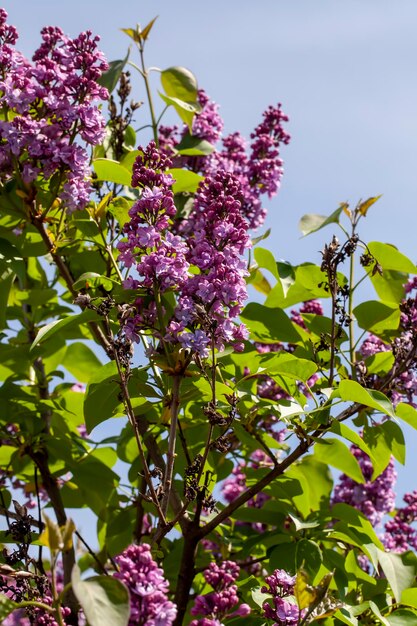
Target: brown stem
x,y
50,484
158,461
132,419
186,575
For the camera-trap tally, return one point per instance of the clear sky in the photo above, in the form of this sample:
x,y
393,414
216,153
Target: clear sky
x,y
345,72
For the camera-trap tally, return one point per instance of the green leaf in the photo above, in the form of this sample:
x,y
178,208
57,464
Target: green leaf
x,y
351,391
407,413
259,282
312,222
308,556
110,78
101,396
409,597
194,146
259,596
185,110
119,208
356,521
316,484
380,450
6,282
179,82
398,572
390,258
112,171
269,325
286,276
81,361
390,286
377,317
395,439
298,284
341,429
46,332
266,260
129,140
380,363
7,606
402,617
337,454
375,610
92,279
104,599
185,180
283,363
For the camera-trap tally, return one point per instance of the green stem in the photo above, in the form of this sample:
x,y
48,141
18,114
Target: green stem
x,y
145,76
110,253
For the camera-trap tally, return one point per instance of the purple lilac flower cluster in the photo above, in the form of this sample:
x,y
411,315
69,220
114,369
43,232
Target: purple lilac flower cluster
x,y
212,240
374,498
399,533
217,238
48,104
223,600
157,255
284,610
149,604
258,171
207,124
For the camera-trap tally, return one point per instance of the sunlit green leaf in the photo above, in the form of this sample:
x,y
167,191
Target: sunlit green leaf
x,y
337,454
104,599
112,171
180,83
351,391
312,222
399,573
185,180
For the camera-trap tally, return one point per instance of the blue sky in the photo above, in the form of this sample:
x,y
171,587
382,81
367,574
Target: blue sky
x,y
345,72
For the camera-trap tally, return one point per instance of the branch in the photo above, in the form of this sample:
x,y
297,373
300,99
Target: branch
x,y
278,470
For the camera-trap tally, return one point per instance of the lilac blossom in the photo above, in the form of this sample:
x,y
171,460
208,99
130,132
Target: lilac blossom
x,y
372,345
52,102
258,172
149,603
217,237
223,600
399,534
314,307
374,498
284,610
207,124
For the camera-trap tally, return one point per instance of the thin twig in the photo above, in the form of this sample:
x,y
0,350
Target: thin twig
x,y
172,438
